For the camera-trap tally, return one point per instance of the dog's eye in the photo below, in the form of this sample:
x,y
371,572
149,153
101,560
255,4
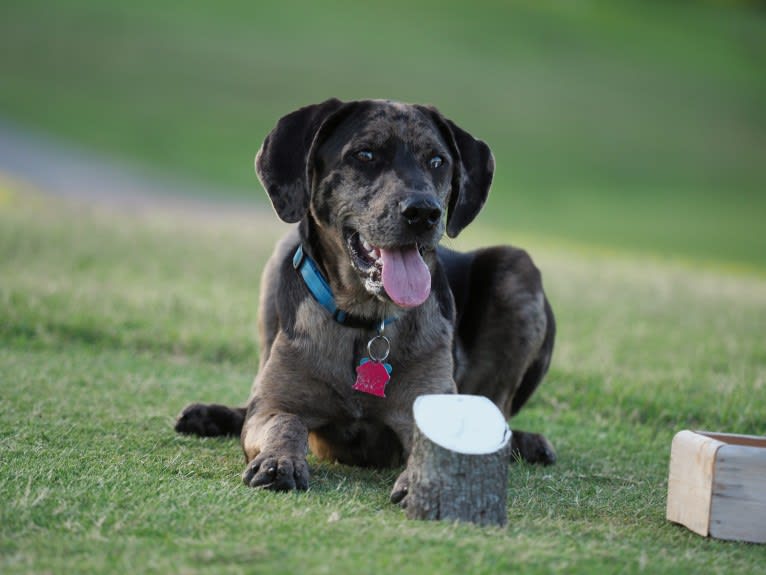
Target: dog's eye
x,y
364,156
435,162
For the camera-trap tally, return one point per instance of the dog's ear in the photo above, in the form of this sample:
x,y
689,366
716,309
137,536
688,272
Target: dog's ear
x,y
283,162
471,177
477,165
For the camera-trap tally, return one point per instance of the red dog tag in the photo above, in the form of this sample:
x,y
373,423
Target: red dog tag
x,y
372,377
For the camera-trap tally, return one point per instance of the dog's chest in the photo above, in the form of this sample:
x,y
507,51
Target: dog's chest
x,y
332,354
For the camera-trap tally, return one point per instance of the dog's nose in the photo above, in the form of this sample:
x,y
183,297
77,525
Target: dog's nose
x,y
422,213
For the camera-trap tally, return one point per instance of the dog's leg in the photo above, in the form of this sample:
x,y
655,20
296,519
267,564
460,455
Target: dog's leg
x,y
434,375
275,445
211,420
505,337
533,447
402,484
536,371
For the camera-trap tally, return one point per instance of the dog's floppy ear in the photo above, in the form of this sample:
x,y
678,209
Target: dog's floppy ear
x,y
477,166
472,175
282,163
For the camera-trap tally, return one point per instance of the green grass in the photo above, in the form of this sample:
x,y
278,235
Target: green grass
x,y
633,124
110,322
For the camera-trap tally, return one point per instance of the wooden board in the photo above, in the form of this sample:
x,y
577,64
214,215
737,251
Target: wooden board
x,y
717,485
738,506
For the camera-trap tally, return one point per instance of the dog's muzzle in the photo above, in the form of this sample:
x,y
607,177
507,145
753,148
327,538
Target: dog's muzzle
x,y
400,271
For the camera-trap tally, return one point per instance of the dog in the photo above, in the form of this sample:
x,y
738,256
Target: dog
x,y
361,280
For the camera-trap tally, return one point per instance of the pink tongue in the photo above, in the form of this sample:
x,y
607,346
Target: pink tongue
x,y
406,278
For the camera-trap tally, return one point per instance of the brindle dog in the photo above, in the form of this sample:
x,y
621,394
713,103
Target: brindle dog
x,y
373,186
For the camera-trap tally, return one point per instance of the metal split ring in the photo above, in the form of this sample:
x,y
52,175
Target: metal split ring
x,y
387,348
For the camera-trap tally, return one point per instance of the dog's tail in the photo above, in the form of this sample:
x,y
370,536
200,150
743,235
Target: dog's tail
x,y
211,420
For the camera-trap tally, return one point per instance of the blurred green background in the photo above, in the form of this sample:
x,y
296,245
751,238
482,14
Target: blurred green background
x,y
634,126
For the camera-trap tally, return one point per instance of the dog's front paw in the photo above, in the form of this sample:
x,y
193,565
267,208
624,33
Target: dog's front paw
x,y
284,473
401,489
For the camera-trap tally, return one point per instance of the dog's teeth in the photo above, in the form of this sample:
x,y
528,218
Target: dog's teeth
x,y
366,245
372,252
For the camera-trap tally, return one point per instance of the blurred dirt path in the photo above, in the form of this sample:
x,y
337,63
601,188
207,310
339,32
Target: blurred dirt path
x,y
59,168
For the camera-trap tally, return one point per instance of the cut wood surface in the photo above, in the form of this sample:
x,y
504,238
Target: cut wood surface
x,y
459,460
692,458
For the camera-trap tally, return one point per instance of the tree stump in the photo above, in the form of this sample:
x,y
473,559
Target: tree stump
x,y
459,460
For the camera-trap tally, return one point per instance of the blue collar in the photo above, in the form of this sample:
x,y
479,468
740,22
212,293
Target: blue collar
x,y
320,289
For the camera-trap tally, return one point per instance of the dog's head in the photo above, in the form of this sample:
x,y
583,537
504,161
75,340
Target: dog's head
x,y
382,181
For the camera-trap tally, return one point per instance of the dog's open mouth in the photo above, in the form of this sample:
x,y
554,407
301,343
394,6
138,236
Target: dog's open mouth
x,y
399,271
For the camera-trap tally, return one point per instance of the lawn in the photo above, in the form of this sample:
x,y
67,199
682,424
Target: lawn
x,y
110,322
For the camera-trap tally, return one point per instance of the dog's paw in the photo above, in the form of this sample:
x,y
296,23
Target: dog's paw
x,y
401,489
284,473
532,448
209,420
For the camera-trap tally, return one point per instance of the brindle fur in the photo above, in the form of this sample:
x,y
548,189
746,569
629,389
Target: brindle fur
x,y
486,327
